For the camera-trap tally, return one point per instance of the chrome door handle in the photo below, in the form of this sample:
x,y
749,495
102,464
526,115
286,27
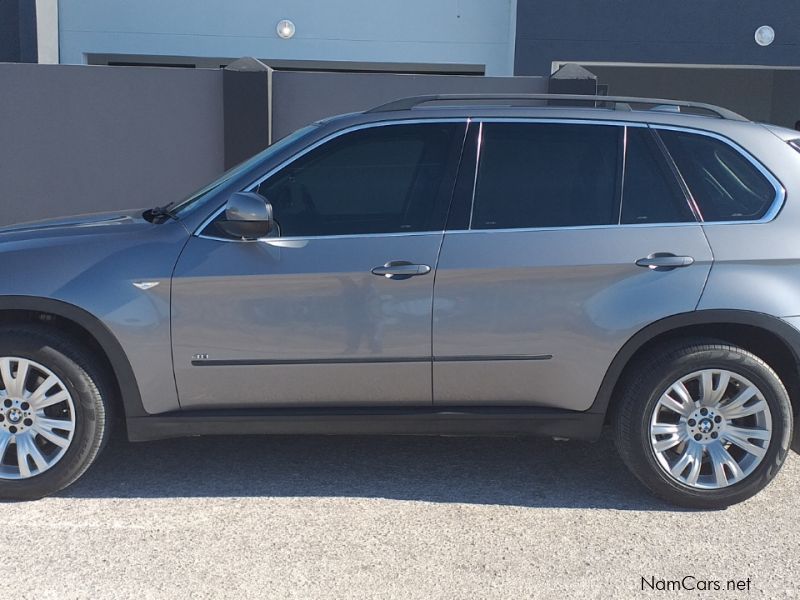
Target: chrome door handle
x,y
400,269
664,261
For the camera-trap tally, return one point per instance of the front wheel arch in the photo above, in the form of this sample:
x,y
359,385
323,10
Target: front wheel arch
x,y
91,331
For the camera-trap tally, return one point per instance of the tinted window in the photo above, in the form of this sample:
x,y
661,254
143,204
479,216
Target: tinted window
x,y
546,175
196,199
383,179
651,193
723,183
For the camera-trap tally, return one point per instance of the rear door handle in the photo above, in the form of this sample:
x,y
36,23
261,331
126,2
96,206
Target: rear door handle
x,y
400,269
664,261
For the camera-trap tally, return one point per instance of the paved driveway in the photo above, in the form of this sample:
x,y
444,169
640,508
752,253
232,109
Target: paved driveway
x,y
356,517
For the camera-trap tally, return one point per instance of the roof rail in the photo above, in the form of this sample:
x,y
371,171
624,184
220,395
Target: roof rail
x,y
615,102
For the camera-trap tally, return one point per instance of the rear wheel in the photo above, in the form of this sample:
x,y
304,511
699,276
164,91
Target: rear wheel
x,y
54,415
703,425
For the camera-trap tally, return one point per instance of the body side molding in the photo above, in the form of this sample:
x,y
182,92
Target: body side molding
x,y
251,362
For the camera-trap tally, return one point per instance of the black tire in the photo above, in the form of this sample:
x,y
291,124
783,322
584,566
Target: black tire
x,y
89,387
652,375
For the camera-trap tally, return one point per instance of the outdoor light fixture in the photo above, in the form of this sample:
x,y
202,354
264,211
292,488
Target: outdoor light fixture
x,y
285,29
765,35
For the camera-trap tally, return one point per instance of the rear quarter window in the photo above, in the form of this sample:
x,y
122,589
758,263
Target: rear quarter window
x,y
724,184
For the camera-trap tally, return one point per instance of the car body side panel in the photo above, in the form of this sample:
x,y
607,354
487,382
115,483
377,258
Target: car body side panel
x,y
303,322
536,317
93,265
757,265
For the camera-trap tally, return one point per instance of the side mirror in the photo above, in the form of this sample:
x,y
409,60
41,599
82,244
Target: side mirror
x,y
248,216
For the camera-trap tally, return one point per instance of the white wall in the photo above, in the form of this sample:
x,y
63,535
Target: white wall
x,y
397,31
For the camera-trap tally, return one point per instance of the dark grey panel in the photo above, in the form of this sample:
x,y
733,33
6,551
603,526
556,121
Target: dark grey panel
x,y
84,139
746,91
673,31
300,98
18,31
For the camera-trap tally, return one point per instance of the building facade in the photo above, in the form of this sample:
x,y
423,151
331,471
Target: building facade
x,y
451,36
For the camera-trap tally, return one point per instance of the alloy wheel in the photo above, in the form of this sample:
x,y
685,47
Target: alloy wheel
x,y
37,418
710,429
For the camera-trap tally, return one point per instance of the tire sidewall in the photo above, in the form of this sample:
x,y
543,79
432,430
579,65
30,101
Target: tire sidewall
x,y
86,399
774,393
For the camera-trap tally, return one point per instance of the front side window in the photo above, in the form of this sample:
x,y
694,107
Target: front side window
x,y
383,179
724,184
546,175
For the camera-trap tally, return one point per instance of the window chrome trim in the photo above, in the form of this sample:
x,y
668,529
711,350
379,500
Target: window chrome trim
x,y
250,187
475,174
278,241
622,174
771,214
577,227
780,190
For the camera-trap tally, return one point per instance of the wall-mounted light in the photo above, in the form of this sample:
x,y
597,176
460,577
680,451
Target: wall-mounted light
x,y
765,35
285,29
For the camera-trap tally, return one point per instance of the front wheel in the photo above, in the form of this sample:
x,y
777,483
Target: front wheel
x,y
54,412
703,425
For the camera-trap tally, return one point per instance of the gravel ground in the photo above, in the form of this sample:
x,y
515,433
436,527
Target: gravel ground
x,y
357,517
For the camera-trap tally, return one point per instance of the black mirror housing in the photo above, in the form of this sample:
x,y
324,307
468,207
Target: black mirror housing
x,y
248,216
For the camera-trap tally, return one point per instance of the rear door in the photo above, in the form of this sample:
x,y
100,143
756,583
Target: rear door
x,y
575,235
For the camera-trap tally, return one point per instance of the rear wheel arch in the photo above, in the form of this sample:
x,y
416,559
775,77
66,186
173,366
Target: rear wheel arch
x,y
89,330
770,338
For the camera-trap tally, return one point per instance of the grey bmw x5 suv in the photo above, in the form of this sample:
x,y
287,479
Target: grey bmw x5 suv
x,y
437,265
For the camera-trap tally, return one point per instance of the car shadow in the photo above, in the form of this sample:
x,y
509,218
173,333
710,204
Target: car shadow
x,y
523,472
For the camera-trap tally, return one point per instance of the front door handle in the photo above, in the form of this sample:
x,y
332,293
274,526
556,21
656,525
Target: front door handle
x,y
664,261
400,269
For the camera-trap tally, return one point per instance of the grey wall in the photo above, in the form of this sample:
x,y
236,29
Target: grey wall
x,y
671,31
746,91
90,138
299,98
82,139
767,95
786,98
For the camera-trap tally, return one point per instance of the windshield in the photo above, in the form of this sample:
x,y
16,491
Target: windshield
x,y
195,199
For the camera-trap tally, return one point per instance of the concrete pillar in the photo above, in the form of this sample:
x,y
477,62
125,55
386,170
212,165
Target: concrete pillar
x,y
247,108
572,79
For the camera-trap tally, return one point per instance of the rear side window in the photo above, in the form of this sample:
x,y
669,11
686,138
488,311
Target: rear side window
x,y
650,193
724,184
546,175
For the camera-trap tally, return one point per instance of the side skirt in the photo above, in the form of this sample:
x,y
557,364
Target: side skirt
x,y
467,421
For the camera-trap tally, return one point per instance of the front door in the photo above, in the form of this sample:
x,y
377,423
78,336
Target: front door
x,y
335,307
578,236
